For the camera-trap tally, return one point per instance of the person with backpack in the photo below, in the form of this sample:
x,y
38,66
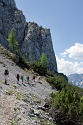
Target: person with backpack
x,y
22,78
27,79
17,76
34,78
6,73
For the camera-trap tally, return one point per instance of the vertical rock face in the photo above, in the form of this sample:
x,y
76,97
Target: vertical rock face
x,y
33,40
11,18
10,3
37,41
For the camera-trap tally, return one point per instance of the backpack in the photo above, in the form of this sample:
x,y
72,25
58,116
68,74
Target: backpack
x,y
33,77
21,77
17,76
27,77
6,72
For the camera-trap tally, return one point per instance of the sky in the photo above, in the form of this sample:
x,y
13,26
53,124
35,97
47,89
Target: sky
x,y
65,20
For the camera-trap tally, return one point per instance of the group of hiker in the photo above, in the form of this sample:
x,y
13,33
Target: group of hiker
x,y
22,78
18,77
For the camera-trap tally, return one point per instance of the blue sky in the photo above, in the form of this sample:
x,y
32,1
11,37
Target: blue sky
x,y
65,20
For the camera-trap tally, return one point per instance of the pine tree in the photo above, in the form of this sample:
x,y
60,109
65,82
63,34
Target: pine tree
x,y
43,61
12,42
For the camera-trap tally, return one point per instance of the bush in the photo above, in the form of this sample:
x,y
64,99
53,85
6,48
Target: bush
x,y
49,73
18,96
58,81
9,92
41,65
37,67
68,104
22,62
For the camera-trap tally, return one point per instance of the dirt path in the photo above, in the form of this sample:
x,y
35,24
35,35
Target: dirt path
x,y
7,104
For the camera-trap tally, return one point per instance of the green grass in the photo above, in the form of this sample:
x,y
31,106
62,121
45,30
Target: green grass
x,y
2,82
12,123
18,96
15,121
9,92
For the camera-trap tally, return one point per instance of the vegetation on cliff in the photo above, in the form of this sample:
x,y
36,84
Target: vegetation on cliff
x,y
12,42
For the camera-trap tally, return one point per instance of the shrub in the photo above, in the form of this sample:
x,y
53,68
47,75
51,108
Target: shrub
x,y
9,92
37,67
41,65
69,104
49,73
18,95
22,62
58,81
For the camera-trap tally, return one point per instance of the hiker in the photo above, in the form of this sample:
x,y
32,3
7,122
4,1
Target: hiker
x,y
22,78
34,78
6,73
27,79
17,76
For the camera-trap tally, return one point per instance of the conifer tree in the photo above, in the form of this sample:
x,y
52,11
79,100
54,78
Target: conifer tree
x,y
43,61
12,42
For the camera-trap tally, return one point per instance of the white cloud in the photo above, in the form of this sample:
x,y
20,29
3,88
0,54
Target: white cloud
x,y
68,67
75,51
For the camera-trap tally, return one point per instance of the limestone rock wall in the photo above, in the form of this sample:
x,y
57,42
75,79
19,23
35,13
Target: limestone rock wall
x,y
37,41
11,18
33,39
10,3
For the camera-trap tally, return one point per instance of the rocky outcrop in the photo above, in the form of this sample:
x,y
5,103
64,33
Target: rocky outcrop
x,y
10,3
33,39
11,18
38,40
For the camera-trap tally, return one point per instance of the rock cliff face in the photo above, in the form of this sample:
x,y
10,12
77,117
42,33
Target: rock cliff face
x,y
33,39
10,3
38,40
11,18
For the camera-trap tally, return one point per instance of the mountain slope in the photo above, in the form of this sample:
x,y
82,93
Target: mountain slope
x,y
21,103
76,79
33,39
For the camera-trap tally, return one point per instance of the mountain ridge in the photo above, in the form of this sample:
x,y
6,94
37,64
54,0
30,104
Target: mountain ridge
x,y
76,79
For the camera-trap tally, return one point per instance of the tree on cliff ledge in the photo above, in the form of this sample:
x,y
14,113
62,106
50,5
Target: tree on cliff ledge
x,y
41,65
44,61
12,42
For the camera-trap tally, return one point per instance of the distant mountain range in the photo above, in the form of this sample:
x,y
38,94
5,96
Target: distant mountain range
x,y
76,79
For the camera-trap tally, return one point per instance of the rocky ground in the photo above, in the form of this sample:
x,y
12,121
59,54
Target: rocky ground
x,y
22,104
